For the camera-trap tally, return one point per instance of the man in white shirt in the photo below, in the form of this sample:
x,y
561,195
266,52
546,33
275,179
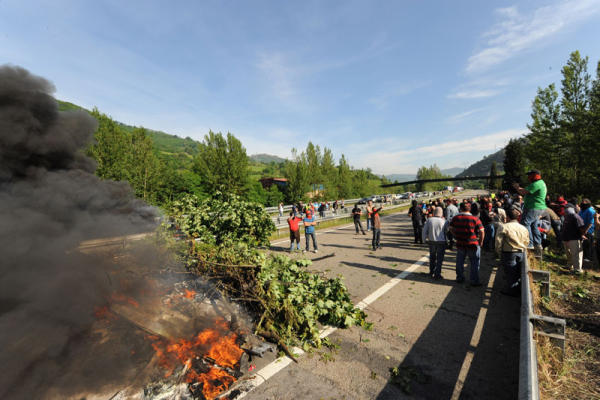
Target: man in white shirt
x,y
434,234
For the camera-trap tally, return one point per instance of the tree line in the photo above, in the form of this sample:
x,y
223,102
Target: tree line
x,y
563,134
220,163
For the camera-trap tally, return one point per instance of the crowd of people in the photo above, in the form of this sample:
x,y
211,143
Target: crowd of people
x,y
507,223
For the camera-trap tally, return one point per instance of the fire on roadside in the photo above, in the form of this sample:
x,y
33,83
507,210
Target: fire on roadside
x,y
216,344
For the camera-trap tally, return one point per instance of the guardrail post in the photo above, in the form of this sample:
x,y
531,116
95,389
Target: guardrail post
x,y
542,277
552,328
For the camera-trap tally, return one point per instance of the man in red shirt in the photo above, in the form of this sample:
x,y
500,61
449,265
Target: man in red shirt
x,y
469,234
293,222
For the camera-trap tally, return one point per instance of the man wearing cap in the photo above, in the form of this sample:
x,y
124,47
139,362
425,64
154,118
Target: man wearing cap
x,y
533,206
511,241
309,230
434,233
469,234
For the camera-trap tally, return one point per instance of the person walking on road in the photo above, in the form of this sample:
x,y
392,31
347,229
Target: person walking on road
x,y
573,232
293,222
356,213
416,214
434,234
309,230
469,234
512,240
533,206
376,222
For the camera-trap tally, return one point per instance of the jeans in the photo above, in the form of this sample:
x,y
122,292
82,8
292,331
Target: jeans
x,y
512,263
474,254
557,227
529,220
437,250
368,223
376,238
450,240
314,240
418,232
358,224
488,239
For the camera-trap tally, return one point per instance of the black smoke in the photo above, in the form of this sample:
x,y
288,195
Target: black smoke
x,y
50,201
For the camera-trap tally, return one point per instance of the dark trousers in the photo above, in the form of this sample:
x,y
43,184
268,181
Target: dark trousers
x,y
376,237
314,240
557,227
437,250
588,246
358,224
418,231
512,262
450,240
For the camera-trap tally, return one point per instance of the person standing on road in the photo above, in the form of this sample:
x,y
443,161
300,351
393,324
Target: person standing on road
x,y
369,215
533,206
469,234
280,209
450,212
512,240
309,231
376,222
434,234
573,232
416,214
293,222
356,213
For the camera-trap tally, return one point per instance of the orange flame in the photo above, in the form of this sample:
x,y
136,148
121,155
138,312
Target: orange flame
x,y
189,294
213,343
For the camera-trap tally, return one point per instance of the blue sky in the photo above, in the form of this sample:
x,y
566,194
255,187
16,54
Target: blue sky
x,y
393,85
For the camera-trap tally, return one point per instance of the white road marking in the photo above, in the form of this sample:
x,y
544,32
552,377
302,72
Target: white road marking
x,y
277,365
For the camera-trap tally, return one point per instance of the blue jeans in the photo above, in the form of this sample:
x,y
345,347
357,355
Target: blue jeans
x,y
474,254
314,240
512,262
488,240
437,250
368,224
529,220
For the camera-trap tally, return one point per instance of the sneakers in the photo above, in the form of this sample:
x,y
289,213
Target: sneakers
x,y
315,251
460,280
438,277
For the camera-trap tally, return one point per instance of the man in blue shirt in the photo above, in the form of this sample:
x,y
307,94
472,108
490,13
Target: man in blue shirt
x,y
588,215
309,230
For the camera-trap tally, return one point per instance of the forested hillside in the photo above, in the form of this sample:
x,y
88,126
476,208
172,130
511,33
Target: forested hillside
x,y
162,167
483,166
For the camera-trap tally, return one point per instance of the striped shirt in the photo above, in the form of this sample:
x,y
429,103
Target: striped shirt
x,y
465,229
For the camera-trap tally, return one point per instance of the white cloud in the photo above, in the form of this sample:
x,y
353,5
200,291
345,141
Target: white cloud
x,y
396,89
445,155
473,94
515,32
454,119
280,75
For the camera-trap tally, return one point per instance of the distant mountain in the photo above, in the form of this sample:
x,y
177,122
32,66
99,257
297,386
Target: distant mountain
x,y
401,177
267,158
482,167
452,171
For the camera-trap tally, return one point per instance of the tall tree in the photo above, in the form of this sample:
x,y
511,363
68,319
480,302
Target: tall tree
x,y
222,164
494,183
296,172
575,101
514,163
344,178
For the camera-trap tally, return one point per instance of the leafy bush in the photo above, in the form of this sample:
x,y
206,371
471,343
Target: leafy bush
x,y
288,301
223,218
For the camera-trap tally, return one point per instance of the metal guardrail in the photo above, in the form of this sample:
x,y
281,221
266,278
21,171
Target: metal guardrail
x,y
531,325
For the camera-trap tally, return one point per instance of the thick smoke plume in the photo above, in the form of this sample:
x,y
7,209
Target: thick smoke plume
x,y
49,202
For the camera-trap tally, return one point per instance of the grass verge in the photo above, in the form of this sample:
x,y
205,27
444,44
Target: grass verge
x,y
576,374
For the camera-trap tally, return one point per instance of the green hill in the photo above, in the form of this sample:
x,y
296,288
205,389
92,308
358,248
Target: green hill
x,y
483,166
267,158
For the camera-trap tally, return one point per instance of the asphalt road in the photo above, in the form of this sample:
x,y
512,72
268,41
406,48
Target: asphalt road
x,y
445,339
